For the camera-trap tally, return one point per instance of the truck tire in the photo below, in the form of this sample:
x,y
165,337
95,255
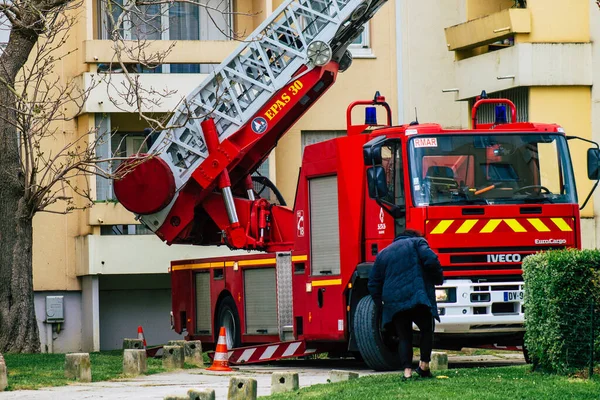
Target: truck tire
x,y
227,316
370,340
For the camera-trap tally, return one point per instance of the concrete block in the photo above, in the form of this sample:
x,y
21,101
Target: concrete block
x,y
3,374
439,361
133,344
172,357
242,389
78,366
284,382
339,376
192,350
134,362
193,353
201,394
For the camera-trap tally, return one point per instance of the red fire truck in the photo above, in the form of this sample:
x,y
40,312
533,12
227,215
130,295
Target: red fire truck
x,y
484,197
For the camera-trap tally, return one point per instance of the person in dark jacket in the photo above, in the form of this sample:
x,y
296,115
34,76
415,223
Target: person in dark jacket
x,y
402,284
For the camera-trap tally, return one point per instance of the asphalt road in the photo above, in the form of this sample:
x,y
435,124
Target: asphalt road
x,y
158,386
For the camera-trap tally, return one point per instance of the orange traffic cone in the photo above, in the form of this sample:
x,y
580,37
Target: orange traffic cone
x,y
221,360
141,335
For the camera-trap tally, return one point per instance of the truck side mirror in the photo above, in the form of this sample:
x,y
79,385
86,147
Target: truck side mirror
x,y
372,151
593,164
376,182
372,155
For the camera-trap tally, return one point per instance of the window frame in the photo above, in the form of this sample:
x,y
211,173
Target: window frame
x,y
363,49
164,22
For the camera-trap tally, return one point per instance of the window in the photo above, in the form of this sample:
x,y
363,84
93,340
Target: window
x,y
114,144
391,161
168,21
112,230
5,27
361,46
519,96
312,137
498,168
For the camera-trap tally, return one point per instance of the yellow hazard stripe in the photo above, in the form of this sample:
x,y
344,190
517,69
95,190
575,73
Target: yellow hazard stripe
x,y
442,226
327,282
467,226
262,261
198,266
562,224
538,224
241,263
490,226
515,225
299,258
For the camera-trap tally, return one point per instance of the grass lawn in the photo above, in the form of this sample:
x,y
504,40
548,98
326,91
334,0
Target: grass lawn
x,y
476,383
32,371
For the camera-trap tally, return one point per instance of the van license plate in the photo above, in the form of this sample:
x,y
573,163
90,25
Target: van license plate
x,y
513,296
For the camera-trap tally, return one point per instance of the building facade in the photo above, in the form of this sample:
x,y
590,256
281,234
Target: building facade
x,y
541,55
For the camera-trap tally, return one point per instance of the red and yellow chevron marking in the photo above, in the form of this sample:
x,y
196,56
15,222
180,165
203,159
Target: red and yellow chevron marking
x,y
499,225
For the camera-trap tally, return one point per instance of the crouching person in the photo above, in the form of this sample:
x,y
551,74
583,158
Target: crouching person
x,y
402,283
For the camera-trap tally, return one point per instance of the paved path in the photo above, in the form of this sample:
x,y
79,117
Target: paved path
x,y
158,386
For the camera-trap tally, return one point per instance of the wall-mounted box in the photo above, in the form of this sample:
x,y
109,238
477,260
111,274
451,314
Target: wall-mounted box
x,y
55,309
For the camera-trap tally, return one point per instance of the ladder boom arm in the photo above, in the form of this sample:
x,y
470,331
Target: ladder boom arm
x,y
231,122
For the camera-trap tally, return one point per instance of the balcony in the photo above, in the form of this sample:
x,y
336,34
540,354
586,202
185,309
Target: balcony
x,y
489,29
110,213
162,92
525,64
183,51
136,254
107,90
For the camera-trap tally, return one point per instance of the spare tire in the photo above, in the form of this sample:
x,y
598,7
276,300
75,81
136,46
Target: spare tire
x,y
374,345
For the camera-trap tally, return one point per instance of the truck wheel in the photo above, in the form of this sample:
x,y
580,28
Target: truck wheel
x,y
374,347
228,317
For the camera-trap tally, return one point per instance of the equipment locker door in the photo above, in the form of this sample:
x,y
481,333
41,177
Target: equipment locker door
x,y
325,317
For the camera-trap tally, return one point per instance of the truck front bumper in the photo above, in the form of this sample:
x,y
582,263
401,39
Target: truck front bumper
x,y
480,308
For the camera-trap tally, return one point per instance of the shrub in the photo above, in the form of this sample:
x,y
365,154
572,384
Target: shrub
x,y
559,289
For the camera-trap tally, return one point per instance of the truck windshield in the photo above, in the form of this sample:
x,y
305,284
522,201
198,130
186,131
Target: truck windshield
x,y
491,169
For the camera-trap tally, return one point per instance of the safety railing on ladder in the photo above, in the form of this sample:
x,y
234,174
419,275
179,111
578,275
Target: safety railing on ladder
x,y
245,81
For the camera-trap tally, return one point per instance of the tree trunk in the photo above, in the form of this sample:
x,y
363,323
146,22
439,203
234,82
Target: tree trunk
x,y
18,325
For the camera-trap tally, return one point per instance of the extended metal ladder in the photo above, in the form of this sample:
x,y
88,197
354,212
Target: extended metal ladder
x,y
244,82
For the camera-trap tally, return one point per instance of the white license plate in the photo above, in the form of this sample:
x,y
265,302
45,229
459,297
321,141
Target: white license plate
x,y
516,295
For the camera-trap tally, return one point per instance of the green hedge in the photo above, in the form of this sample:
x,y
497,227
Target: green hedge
x,y
559,289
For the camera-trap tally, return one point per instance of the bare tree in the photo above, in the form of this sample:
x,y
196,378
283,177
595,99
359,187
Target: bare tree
x,y
34,101
37,174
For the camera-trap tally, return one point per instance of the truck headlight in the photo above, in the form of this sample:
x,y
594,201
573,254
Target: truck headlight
x,y
446,295
441,295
